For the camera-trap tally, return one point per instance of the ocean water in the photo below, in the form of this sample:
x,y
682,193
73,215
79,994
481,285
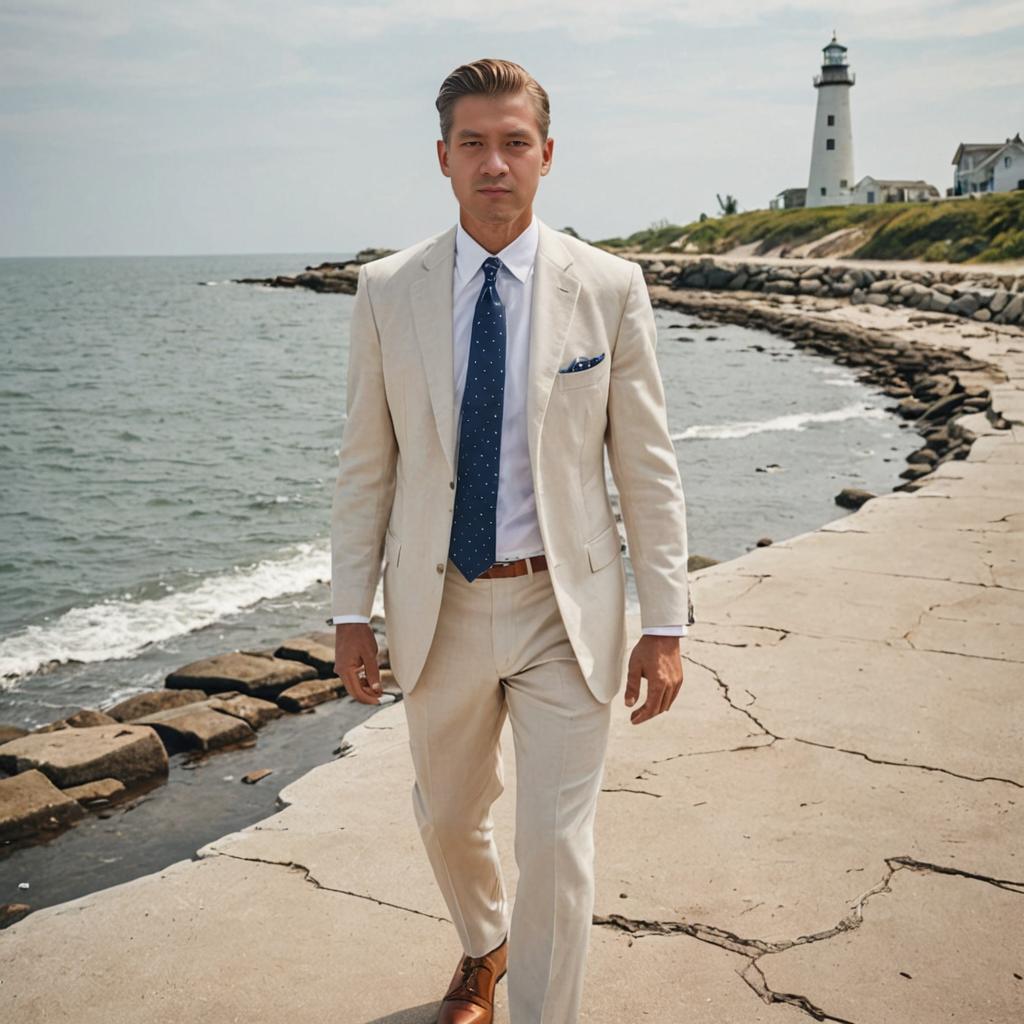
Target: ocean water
x,y
168,444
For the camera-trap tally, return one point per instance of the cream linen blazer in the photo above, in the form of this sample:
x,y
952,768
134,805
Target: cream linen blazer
x,y
395,490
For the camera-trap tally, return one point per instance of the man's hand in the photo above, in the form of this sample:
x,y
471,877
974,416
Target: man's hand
x,y
657,659
355,661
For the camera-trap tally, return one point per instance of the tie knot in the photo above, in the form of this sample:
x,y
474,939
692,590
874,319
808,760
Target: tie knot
x,y
491,265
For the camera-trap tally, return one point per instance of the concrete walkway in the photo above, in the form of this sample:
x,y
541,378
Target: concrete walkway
x,y
828,824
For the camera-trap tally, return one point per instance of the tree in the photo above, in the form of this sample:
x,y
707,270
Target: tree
x,y
728,205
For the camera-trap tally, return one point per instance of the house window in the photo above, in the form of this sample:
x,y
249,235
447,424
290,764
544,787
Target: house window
x,y
871,197
1006,161
830,143
831,119
824,192
843,183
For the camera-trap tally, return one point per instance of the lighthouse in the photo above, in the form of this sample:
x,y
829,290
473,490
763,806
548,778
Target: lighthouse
x,y
831,177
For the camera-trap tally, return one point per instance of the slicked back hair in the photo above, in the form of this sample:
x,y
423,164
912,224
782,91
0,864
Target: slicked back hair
x,y
491,77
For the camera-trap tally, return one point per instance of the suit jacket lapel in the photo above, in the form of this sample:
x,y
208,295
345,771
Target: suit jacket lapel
x,y
555,292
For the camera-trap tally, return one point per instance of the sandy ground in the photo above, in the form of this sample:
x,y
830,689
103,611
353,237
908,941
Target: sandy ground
x,y
827,825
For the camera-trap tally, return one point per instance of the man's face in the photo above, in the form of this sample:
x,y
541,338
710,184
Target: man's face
x,y
496,157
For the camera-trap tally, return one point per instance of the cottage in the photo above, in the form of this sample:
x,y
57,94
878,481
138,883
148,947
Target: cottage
x,y
988,167
892,190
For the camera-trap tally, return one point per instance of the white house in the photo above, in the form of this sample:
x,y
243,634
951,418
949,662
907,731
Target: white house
x,y
892,190
989,166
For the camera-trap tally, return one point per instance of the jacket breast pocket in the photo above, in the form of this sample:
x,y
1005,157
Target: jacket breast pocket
x,y
603,548
392,548
583,378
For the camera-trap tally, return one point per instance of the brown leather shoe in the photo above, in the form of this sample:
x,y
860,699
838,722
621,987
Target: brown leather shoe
x,y
470,996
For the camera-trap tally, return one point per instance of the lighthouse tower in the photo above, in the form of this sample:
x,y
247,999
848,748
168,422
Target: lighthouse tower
x,y
831,177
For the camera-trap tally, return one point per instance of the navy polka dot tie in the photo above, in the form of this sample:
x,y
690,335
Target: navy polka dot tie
x,y
476,492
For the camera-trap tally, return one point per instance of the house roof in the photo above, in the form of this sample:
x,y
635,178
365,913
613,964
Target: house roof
x,y
991,147
897,182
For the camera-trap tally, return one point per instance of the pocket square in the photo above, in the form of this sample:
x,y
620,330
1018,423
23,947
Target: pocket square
x,y
582,363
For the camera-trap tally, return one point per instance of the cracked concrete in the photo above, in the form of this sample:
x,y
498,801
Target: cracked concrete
x,y
827,825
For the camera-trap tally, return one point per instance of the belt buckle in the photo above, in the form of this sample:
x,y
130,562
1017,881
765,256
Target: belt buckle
x,y
513,561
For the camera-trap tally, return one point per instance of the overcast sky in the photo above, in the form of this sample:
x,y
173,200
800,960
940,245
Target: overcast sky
x,y
233,126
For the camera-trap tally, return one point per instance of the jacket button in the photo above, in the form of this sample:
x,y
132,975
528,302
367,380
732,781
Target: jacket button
x,y
440,567
451,484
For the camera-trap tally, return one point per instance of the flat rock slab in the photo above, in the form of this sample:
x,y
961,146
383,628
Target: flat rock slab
x,y
30,803
310,693
70,757
152,701
81,719
197,727
100,791
310,650
254,673
254,711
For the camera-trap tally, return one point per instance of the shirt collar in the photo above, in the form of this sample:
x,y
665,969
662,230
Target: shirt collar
x,y
517,256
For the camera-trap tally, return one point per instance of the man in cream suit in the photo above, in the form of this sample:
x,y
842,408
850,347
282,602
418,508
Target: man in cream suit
x,y
490,366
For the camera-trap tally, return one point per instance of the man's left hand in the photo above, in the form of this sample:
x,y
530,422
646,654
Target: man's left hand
x,y
658,660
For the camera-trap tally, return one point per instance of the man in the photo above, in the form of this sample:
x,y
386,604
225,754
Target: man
x,y
489,367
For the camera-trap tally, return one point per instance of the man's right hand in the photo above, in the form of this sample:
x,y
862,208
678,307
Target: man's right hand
x,y
355,661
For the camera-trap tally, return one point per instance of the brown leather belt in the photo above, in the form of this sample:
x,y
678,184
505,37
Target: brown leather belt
x,y
516,568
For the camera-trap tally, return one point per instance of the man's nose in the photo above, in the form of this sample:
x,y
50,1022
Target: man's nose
x,y
494,163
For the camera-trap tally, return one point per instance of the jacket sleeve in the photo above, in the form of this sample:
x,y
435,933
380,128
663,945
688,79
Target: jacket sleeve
x,y
644,466
365,487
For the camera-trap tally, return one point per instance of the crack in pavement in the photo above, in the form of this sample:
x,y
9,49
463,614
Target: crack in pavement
x,y
907,764
623,789
308,876
932,579
724,687
960,654
754,949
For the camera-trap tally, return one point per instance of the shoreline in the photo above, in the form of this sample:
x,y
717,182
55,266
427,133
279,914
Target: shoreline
x,y
90,841
805,796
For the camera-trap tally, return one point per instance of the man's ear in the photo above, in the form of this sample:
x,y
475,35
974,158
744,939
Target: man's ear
x,y
549,148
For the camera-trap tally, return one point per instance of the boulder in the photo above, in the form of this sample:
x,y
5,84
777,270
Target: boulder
x,y
255,673
852,497
965,305
31,803
999,301
1013,311
70,757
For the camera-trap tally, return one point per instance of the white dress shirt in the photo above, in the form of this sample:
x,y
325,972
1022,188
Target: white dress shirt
x,y
517,532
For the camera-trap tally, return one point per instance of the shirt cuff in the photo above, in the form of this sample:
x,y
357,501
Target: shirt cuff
x,y
666,630
334,620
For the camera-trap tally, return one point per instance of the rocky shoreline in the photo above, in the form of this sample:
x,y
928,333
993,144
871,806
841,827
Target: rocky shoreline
x,y
95,759
932,386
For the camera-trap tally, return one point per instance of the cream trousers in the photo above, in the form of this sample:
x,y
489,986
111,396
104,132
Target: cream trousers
x,y
501,648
